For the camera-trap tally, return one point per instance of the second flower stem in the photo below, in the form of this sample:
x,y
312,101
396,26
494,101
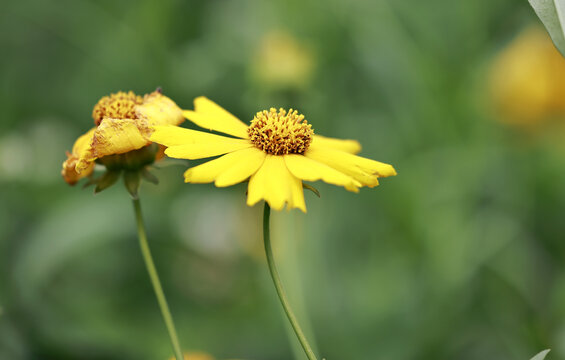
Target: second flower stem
x,y
155,281
278,285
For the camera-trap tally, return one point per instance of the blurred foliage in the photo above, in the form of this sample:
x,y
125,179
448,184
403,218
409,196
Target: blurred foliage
x,y
461,256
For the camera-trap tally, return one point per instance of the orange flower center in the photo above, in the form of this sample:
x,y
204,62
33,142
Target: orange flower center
x,y
116,106
280,133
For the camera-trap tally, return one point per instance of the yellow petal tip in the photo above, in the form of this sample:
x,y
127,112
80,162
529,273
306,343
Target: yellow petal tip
x,y
200,98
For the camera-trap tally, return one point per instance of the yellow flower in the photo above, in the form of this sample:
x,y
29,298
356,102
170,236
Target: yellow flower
x,y
123,124
276,152
282,62
527,79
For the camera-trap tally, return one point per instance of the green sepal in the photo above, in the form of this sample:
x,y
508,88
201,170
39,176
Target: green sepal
x,y
132,180
149,176
105,181
311,188
91,181
131,160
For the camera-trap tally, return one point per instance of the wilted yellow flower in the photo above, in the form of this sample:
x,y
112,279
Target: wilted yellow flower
x,y
276,152
123,124
527,79
282,62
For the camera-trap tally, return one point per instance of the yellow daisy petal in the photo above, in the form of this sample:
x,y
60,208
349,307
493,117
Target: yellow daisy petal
x,y
209,115
227,170
296,193
370,166
192,144
276,185
174,135
200,151
269,183
157,109
310,170
209,171
248,162
364,170
349,146
80,147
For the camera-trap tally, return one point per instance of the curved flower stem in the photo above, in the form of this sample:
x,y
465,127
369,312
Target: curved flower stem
x,y
155,281
278,285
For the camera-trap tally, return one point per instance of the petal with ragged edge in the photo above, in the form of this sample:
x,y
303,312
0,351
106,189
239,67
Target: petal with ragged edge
x,y
114,136
310,170
118,136
209,115
80,147
83,142
364,170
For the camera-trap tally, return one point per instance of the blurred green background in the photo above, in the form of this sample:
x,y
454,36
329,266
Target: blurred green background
x,y
461,256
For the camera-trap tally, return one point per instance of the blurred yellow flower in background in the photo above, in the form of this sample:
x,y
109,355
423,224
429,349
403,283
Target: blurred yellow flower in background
x,y
527,79
196,356
276,152
123,124
281,61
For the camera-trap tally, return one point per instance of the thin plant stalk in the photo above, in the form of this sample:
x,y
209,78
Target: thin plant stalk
x,y
278,285
155,281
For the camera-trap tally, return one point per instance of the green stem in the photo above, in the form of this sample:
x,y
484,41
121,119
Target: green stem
x,y
155,281
278,285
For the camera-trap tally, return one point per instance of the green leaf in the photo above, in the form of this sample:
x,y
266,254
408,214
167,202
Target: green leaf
x,y
132,179
108,179
552,15
311,188
541,355
147,175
